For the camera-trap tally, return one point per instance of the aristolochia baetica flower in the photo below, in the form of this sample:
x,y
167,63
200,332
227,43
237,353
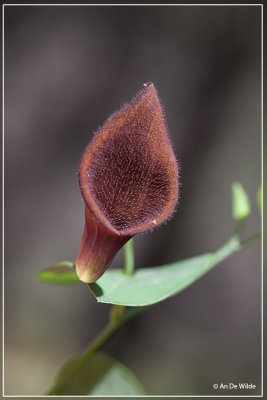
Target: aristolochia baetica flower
x,y
128,178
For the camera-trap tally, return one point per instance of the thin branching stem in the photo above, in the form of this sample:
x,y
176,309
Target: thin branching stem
x,y
119,315
250,240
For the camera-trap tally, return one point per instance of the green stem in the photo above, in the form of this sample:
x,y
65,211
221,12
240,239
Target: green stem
x,y
118,316
100,341
231,246
250,240
129,258
95,346
240,227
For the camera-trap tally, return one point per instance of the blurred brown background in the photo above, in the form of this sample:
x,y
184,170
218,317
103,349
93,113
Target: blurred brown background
x,y
66,70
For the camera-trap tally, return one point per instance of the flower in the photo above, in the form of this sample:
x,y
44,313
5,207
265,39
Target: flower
x,y
128,177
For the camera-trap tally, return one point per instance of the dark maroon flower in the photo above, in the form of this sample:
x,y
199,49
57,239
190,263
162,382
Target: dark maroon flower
x,y
128,177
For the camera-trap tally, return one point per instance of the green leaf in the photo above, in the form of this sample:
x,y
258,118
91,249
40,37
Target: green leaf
x,y
61,273
259,199
152,285
240,202
98,375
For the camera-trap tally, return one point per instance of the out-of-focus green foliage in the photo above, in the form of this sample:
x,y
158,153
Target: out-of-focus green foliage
x,y
240,202
59,274
97,375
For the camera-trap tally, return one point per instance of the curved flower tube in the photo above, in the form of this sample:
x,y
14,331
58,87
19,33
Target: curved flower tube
x,y
128,177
